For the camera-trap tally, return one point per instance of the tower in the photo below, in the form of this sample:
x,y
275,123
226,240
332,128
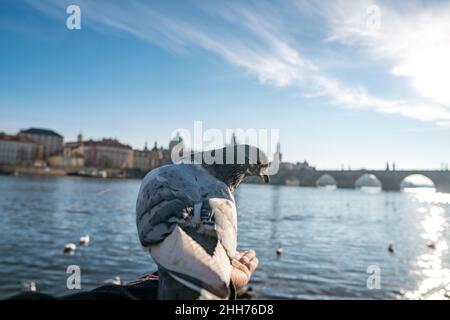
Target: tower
x,y
233,141
278,155
175,141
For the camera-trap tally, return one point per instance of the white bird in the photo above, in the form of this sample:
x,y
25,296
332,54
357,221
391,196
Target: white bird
x,y
70,248
280,251
116,281
186,216
29,286
85,240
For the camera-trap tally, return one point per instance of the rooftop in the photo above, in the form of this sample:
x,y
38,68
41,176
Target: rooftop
x,y
16,138
45,132
107,143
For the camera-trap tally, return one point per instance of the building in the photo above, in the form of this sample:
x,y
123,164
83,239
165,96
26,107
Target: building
x,y
288,166
18,150
278,155
146,160
176,146
158,156
233,140
71,157
141,159
107,153
175,141
51,141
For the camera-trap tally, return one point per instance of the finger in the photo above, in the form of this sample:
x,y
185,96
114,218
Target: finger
x,y
244,271
247,256
239,278
244,259
250,254
255,264
252,265
240,266
236,264
238,255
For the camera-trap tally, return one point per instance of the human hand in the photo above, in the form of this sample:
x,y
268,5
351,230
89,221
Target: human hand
x,y
242,268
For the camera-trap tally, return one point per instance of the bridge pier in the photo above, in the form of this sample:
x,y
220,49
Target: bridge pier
x,y
442,185
345,183
345,179
390,182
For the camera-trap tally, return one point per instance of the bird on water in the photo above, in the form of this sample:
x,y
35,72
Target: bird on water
x,y
186,217
391,248
70,248
84,240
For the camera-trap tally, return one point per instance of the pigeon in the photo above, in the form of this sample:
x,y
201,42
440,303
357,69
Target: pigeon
x,y
186,217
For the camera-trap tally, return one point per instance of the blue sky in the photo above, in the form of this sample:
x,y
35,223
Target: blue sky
x,y
342,88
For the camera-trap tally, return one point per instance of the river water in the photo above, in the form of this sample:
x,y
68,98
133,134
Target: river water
x,y
335,241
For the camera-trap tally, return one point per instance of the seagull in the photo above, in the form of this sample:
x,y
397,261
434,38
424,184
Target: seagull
x,y
116,281
29,286
85,240
280,251
70,248
186,217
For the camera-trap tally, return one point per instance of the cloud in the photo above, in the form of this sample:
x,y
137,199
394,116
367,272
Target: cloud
x,y
254,37
414,39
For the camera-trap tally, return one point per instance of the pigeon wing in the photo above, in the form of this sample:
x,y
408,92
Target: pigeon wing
x,y
164,199
223,219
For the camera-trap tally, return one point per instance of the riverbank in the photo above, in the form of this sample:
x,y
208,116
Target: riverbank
x,y
18,170
86,172
81,172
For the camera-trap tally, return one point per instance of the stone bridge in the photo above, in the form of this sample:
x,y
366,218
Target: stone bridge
x,y
390,180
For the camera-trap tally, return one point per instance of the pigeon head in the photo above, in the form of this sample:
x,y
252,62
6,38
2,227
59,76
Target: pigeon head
x,y
233,164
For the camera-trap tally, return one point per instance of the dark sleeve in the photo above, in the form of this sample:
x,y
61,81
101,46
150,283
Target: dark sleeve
x,y
232,292
144,288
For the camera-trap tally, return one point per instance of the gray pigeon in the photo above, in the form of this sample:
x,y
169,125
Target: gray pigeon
x,y
186,217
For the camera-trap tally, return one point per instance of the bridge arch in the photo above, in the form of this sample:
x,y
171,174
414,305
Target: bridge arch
x,y
368,181
390,179
326,180
417,180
